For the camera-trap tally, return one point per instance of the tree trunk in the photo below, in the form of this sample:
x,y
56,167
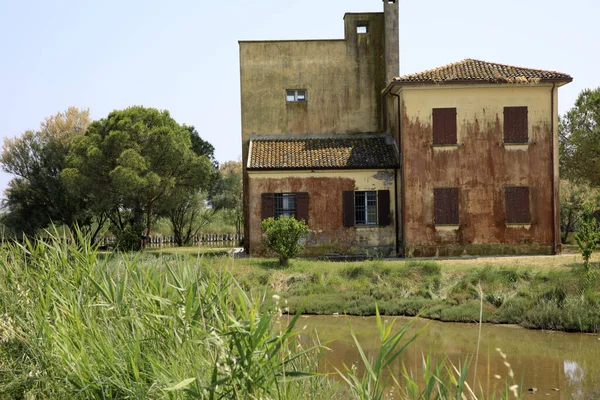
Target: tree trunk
x,y
568,226
148,220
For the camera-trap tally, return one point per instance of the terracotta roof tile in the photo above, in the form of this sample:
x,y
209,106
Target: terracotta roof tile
x,y
481,71
322,153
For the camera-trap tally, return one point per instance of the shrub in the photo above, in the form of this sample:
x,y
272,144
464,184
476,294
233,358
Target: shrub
x,y
130,238
587,237
283,235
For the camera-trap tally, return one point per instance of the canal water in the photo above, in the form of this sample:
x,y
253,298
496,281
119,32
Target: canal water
x,y
557,365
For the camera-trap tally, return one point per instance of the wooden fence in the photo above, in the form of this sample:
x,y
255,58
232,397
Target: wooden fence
x,y
204,239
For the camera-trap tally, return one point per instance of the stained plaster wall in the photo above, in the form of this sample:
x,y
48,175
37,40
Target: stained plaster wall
x,y
343,78
325,220
480,166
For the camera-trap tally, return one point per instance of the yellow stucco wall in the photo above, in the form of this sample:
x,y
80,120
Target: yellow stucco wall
x,y
343,79
325,217
480,166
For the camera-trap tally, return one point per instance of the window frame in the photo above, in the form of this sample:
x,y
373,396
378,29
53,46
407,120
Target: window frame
x,y
383,216
362,28
280,208
370,211
516,125
446,196
444,126
295,96
301,205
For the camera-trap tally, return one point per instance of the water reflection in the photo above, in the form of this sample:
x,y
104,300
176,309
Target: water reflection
x,y
543,360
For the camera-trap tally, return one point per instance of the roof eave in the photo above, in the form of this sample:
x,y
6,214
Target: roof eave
x,y
320,168
394,84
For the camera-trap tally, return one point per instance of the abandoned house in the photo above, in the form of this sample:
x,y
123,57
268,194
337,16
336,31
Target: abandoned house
x,y
457,160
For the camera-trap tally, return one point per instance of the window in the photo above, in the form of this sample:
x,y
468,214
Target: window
x,y
366,207
444,126
446,206
287,204
294,96
517,205
515,125
362,27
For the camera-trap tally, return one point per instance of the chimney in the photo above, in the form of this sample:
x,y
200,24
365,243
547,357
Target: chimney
x,y
392,42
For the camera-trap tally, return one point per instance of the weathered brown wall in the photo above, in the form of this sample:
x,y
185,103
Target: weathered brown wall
x,y
327,233
480,166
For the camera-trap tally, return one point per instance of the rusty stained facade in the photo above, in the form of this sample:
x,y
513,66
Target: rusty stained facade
x,y
481,166
324,188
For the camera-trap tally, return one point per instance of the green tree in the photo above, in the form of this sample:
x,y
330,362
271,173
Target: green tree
x,y
284,237
133,163
36,196
188,216
573,199
579,139
227,193
186,208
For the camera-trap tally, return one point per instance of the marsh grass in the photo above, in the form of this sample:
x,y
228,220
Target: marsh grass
x,y
136,326
76,325
553,297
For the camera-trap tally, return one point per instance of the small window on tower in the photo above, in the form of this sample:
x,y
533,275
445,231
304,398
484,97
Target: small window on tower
x,y
295,95
362,27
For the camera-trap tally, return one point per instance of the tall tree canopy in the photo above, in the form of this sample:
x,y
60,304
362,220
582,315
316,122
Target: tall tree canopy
x,y
579,135
133,162
36,196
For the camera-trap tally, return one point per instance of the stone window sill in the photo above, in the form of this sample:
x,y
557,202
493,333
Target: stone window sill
x,y
518,226
446,227
366,226
444,147
516,146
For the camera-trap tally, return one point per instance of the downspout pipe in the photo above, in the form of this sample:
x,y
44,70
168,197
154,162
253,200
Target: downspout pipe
x,y
556,247
399,219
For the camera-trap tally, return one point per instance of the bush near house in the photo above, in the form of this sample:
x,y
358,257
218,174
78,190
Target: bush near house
x,y
283,236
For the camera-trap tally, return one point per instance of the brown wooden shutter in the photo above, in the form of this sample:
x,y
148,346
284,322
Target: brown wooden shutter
x,y
438,125
444,126
302,207
348,207
521,134
515,125
517,205
268,206
446,206
508,125
383,207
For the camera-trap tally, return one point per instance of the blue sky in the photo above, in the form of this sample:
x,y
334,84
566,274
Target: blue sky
x,y
183,55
